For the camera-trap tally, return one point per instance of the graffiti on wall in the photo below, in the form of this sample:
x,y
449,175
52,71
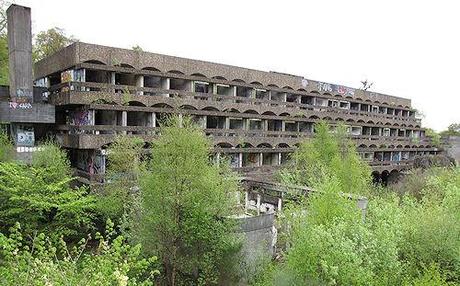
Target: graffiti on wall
x,y
73,75
20,105
90,161
338,89
83,117
70,76
24,135
21,92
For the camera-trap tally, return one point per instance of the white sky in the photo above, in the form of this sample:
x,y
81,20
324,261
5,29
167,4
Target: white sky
x,y
407,48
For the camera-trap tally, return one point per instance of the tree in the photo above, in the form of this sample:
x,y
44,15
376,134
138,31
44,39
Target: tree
x,y
329,154
452,130
122,178
50,41
186,199
137,48
41,198
435,137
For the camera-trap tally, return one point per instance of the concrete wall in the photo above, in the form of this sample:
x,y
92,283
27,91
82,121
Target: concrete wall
x,y
33,113
453,149
259,239
20,53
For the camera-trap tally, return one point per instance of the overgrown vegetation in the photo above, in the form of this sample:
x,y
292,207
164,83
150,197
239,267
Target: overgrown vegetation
x,y
173,202
185,199
409,237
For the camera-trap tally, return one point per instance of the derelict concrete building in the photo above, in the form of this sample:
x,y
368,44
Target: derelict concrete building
x,y
255,118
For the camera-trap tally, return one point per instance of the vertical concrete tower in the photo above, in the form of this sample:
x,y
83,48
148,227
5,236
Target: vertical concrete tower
x,y
20,53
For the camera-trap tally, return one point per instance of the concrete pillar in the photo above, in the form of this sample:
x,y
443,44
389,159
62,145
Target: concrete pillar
x,y
140,83
240,160
258,204
227,123
284,98
261,159
124,120
165,84
151,119
112,78
233,90
20,53
265,124
280,204
180,119
279,158
283,126
203,122
269,95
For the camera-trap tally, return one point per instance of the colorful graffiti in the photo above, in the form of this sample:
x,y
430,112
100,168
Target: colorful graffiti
x,y
83,117
338,89
20,105
24,135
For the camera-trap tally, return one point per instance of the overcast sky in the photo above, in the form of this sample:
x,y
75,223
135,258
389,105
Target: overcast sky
x,y
407,48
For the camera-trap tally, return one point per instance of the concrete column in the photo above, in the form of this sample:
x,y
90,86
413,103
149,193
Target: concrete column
x,y
20,53
279,158
204,121
240,160
180,119
261,159
284,98
391,155
151,119
227,123
112,78
233,90
265,125
299,99
124,120
165,84
269,95
283,126
140,83
258,204
280,204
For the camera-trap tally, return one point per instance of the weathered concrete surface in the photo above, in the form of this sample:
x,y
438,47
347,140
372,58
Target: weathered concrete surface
x,y
20,53
33,113
453,148
259,241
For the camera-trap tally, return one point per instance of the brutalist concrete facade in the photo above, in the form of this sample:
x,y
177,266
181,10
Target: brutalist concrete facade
x,y
254,117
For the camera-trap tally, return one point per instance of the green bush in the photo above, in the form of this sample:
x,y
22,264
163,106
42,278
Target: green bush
x,y
111,262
